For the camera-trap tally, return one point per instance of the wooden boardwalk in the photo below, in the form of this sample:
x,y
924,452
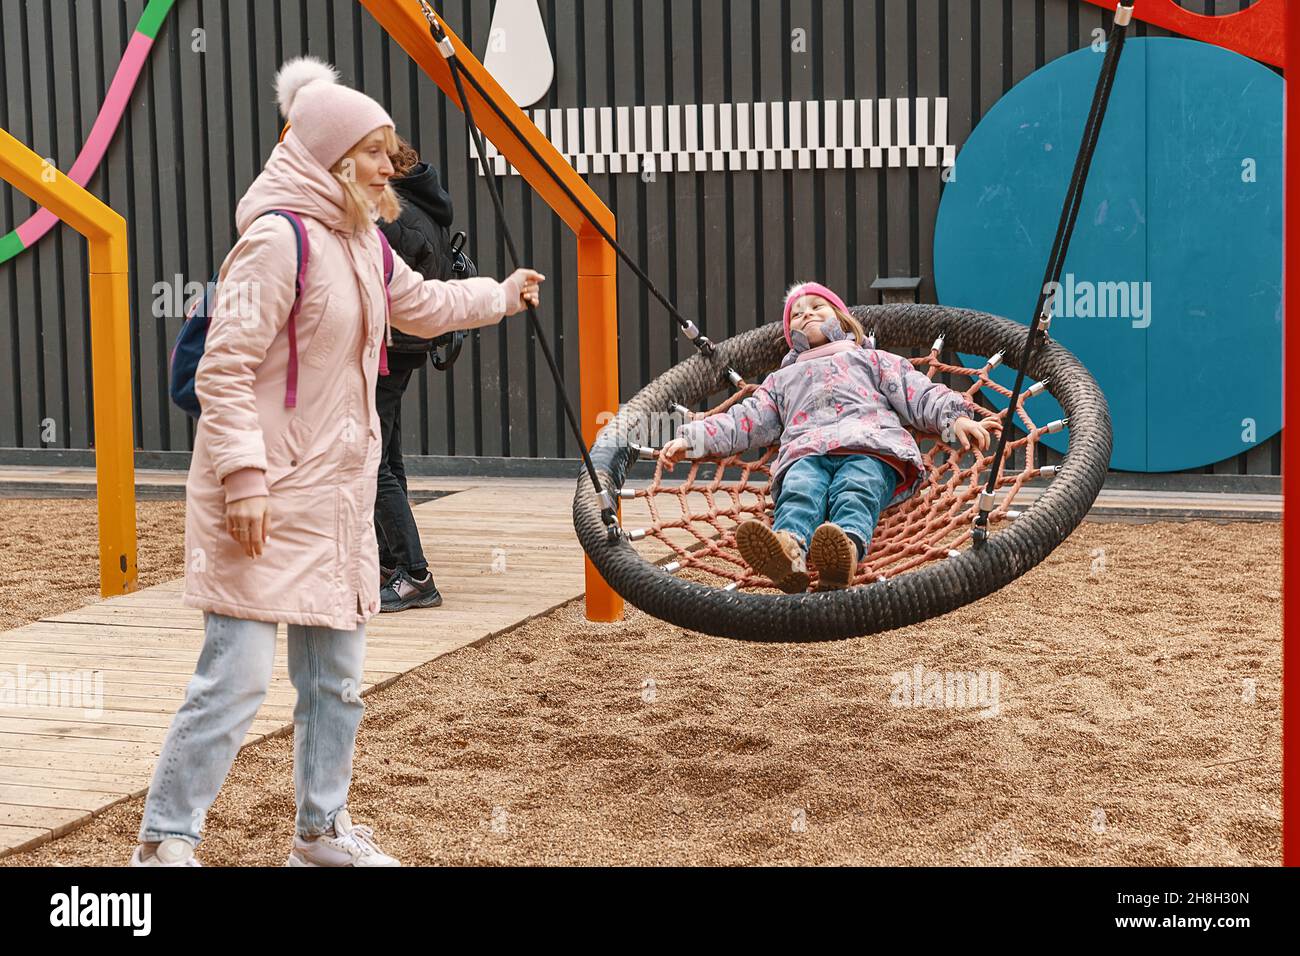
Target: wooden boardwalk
x,y
504,552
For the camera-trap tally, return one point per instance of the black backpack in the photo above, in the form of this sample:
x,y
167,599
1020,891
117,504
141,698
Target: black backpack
x,y
436,253
460,266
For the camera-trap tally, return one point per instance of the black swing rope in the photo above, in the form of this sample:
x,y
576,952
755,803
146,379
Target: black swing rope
x,y
1042,318
609,510
688,328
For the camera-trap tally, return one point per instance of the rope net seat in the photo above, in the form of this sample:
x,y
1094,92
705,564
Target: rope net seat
x,y
921,562
930,525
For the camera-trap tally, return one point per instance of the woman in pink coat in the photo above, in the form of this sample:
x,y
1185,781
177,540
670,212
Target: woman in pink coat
x,y
280,500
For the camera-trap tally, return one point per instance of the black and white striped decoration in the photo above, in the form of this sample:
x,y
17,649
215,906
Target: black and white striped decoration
x,y
714,137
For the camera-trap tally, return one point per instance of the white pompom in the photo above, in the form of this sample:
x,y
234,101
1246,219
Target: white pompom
x,y
296,74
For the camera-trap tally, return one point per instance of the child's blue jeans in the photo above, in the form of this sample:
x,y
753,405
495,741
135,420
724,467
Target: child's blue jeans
x,y
228,687
848,490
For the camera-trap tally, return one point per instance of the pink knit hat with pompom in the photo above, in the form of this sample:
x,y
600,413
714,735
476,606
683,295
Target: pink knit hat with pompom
x,y
328,118
808,288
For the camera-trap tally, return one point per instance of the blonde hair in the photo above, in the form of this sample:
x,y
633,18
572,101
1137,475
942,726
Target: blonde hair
x,y
850,325
359,207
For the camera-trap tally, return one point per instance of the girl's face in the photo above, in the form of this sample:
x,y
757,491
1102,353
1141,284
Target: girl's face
x,y
808,314
368,164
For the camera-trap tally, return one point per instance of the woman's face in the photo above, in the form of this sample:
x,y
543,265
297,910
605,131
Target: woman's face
x,y
368,164
808,314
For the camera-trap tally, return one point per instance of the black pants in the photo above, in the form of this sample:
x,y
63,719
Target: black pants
x,y
399,539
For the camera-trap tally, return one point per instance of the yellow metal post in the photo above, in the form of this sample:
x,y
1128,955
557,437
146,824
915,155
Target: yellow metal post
x,y
110,343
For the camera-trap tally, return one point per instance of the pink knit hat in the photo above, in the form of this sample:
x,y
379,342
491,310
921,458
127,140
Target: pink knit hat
x,y
327,117
808,288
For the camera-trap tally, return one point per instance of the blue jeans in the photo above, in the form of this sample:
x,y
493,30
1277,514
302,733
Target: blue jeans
x,y
848,490
228,687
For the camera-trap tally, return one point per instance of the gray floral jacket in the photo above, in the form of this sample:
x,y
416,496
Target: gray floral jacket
x,y
837,398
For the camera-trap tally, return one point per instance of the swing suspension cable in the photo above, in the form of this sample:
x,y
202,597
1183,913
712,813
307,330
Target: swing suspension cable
x,y
609,508
688,328
1042,318
1036,332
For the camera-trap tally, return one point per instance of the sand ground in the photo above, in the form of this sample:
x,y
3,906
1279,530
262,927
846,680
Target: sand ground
x,y
1136,721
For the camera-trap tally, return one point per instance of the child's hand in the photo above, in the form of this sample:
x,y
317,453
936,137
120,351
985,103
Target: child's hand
x,y
672,453
971,432
735,398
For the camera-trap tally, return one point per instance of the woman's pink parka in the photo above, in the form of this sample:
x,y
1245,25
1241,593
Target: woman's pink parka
x,y
317,462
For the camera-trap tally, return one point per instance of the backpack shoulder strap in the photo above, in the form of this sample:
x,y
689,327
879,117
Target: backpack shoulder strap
x,y
299,282
387,250
388,255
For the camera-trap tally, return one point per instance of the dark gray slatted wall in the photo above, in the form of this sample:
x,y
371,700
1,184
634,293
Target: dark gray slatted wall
x,y
723,245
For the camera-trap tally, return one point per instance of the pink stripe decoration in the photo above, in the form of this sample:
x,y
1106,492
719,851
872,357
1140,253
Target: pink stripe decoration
x,y
101,134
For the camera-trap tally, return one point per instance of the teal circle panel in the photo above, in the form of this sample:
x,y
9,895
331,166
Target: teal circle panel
x,y
1172,289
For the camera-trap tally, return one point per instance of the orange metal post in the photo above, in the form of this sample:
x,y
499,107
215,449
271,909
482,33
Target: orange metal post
x,y
597,301
598,362
110,345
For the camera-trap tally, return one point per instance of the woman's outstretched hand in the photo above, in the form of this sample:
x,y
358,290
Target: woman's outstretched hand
x,y
523,288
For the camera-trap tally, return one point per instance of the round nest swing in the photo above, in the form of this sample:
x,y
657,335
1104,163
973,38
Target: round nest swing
x,y
921,563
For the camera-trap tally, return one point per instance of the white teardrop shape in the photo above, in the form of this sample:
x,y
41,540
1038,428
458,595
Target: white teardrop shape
x,y
518,54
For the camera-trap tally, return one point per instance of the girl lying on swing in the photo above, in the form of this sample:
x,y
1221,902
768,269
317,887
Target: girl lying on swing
x,y
839,411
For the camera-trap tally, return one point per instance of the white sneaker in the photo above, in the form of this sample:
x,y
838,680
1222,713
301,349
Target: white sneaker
x,y
348,845
172,851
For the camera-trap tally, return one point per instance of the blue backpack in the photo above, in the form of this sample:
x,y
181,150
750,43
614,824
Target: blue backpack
x,y
193,335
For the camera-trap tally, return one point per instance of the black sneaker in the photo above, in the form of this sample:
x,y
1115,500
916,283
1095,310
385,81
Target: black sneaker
x,y
403,592
385,573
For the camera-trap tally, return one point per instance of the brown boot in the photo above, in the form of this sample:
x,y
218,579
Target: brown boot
x,y
835,556
773,554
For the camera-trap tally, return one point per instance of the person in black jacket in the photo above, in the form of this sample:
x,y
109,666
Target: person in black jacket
x,y
421,236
